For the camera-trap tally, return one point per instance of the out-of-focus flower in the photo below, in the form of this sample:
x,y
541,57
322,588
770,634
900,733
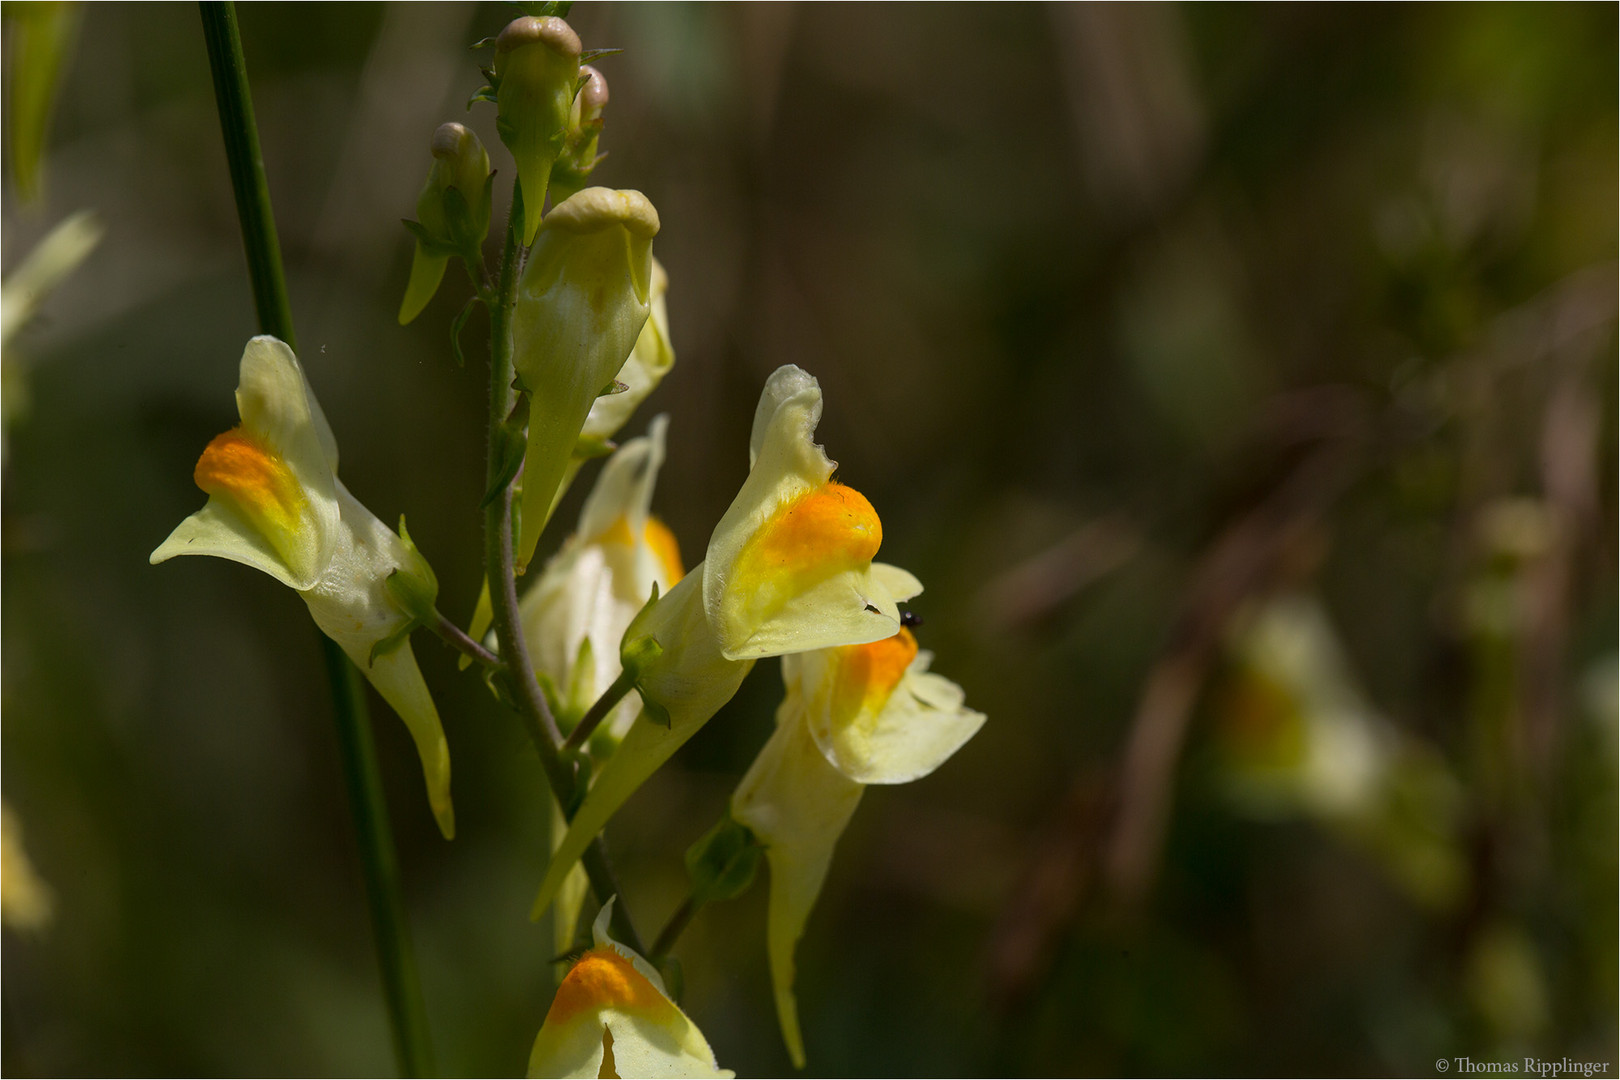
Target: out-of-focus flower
x,y
1295,736
452,214
25,900
612,1016
585,295
853,715
536,77
24,289
275,504
42,37
788,568
576,614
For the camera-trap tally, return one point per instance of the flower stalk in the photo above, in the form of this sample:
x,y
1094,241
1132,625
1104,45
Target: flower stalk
x,y
600,709
401,986
499,561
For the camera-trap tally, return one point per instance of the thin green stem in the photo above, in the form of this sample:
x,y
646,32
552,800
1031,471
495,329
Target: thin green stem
x,y
402,988
673,929
457,639
599,710
498,562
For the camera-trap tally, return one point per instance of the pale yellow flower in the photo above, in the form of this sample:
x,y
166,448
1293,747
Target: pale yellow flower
x,y
1296,736
584,297
275,504
853,715
25,900
612,1016
788,567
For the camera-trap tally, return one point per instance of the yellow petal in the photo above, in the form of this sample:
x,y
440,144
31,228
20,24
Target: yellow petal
x,y
601,578
272,490
789,566
650,360
797,805
877,713
612,1017
352,606
25,900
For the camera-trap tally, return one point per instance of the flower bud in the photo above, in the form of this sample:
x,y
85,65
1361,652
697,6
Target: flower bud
x,y
452,213
536,74
572,172
583,300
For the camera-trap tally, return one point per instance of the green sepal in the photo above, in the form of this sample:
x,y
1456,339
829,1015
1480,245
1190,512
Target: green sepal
x,y
392,641
577,704
482,43
614,387
511,441
466,231
483,93
457,326
548,690
427,271
654,711
414,587
637,650
580,767
723,862
602,743
427,241
590,56
499,682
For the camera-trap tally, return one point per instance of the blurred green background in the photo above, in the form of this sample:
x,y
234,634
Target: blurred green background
x,y
1240,380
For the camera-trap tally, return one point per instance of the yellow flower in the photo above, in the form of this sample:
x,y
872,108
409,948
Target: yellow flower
x,y
789,567
584,297
25,900
613,1017
589,592
1295,736
854,715
275,504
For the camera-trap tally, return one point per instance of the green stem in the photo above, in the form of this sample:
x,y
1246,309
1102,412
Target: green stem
x,y
599,710
498,562
457,639
673,929
401,987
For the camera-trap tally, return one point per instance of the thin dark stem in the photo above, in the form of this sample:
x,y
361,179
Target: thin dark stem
x,y
599,710
498,562
402,988
457,639
673,929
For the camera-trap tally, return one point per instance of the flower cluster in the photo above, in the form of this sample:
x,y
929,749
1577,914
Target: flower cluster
x,y
581,339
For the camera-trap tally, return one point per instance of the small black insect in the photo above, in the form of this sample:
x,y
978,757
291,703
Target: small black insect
x,y
910,620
